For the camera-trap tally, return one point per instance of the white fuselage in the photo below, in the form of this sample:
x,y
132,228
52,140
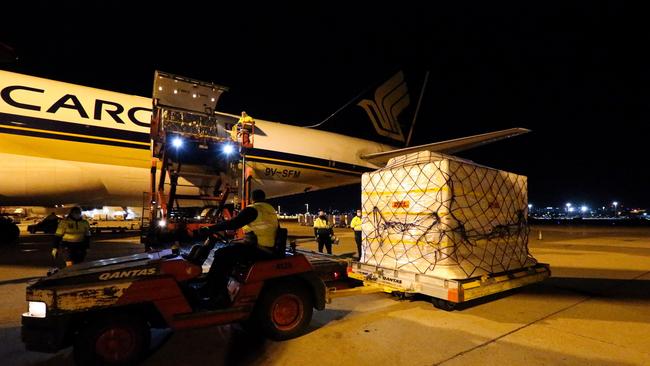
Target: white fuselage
x,y
64,143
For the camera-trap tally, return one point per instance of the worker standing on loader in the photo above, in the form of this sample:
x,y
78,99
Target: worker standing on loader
x,y
243,129
323,232
260,224
73,234
355,224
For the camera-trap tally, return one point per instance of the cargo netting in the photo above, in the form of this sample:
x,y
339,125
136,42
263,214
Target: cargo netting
x,y
443,216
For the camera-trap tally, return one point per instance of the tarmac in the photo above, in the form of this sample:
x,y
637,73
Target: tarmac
x,y
594,310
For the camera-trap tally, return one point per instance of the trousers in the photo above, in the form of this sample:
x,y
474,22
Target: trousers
x,y
357,239
226,258
325,241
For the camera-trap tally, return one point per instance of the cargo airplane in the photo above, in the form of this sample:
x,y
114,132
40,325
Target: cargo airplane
x,y
62,143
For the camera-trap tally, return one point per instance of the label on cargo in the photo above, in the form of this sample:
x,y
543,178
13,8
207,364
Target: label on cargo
x,y
401,204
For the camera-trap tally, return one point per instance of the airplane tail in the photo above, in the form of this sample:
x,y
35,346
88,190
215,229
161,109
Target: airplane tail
x,y
388,107
391,108
382,113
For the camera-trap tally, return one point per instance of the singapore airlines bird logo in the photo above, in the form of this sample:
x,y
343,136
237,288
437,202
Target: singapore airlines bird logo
x,y
391,98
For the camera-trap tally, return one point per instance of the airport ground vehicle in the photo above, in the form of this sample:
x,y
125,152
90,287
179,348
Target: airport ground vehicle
x,y
48,225
9,231
106,308
98,226
445,227
190,142
444,293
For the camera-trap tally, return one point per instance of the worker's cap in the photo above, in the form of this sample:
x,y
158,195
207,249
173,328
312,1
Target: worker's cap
x,y
321,213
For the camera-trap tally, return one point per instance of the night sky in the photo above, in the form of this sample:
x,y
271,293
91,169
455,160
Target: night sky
x,y
576,73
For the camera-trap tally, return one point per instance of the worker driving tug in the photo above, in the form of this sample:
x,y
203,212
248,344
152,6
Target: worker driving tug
x,y
259,222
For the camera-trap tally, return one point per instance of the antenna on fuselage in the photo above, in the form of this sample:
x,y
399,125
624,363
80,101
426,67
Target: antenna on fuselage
x,y
356,97
417,109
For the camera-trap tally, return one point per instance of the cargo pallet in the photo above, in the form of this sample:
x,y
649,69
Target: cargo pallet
x,y
445,293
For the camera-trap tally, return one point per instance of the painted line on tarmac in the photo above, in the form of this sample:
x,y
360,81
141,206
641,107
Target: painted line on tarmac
x,y
511,332
587,298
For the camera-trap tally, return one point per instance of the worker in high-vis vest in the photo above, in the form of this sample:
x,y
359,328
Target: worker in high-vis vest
x,y
355,224
323,232
242,130
260,224
73,234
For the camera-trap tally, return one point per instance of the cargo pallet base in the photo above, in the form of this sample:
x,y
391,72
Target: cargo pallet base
x,y
445,293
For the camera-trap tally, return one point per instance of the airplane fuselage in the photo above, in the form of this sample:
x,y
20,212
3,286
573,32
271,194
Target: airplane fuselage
x,y
65,143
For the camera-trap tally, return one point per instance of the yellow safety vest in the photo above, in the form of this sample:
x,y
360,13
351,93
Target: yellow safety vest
x,y
356,223
265,224
246,121
73,231
321,224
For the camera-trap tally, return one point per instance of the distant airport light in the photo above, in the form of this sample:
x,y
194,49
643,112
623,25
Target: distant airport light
x,y
228,149
162,223
177,142
571,209
615,203
583,208
568,204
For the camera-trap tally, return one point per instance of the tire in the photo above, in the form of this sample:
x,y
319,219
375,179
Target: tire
x,y
284,311
443,304
112,340
9,231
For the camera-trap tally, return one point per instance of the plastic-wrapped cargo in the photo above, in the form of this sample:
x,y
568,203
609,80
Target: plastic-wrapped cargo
x,y
443,216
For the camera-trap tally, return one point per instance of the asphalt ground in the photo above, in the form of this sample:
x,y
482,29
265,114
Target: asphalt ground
x,y
594,310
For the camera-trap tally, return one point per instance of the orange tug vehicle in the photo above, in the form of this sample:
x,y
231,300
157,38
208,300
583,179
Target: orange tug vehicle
x,y
105,309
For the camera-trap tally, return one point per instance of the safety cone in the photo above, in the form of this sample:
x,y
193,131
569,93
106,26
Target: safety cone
x,y
539,237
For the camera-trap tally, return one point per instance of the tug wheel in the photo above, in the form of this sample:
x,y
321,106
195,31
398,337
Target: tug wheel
x,y
284,311
112,341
